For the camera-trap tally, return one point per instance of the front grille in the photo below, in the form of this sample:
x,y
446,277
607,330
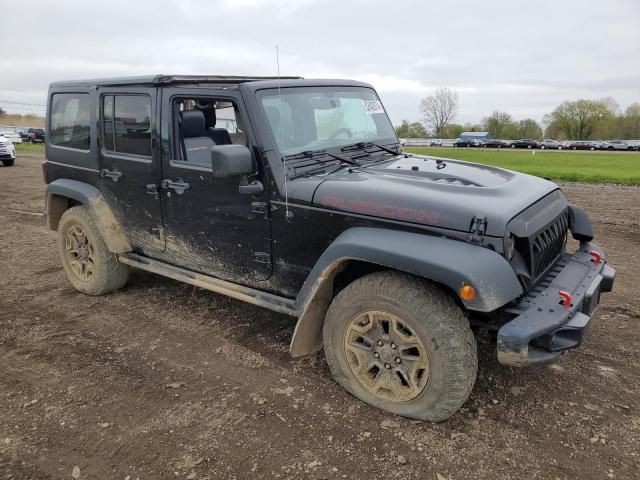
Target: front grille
x,y
548,244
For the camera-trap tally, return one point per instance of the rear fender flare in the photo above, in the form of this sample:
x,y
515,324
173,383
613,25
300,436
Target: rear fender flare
x,y
448,262
58,194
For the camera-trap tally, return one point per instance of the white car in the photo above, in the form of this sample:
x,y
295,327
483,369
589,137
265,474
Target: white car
x,y
7,151
13,136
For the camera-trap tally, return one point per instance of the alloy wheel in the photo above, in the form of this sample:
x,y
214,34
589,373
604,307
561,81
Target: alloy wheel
x,y
80,252
386,356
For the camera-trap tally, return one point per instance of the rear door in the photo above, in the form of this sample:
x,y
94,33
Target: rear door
x,y
128,163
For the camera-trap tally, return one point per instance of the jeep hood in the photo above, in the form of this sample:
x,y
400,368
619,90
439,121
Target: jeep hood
x,y
433,191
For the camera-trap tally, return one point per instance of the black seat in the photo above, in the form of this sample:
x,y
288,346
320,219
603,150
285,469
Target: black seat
x,y
197,144
218,135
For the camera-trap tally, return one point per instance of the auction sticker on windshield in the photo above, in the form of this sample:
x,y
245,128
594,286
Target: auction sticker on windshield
x,y
372,106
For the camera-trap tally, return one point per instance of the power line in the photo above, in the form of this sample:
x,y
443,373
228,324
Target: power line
x,y
23,103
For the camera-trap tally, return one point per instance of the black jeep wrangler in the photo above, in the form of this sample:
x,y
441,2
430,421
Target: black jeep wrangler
x,y
294,195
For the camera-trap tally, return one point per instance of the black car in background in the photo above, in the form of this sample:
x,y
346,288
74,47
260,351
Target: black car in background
x,y
36,135
468,142
494,143
582,145
523,143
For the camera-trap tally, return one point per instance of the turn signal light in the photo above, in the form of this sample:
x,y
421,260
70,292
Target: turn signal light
x,y
467,292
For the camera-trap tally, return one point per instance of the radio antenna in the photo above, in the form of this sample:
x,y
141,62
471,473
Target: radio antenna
x,y
288,214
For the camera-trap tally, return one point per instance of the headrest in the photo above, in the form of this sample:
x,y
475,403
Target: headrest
x,y
192,123
209,116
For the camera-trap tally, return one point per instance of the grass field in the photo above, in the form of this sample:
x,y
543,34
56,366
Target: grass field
x,y
590,167
29,147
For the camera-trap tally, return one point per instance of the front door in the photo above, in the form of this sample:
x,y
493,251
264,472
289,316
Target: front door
x,y
210,227
129,164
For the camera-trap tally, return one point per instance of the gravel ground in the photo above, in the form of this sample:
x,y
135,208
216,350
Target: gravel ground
x,y
162,380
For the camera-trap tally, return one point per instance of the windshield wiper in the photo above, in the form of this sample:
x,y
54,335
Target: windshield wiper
x,y
364,145
321,164
318,153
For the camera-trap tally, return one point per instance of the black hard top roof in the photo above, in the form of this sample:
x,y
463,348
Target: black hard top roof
x,y
160,80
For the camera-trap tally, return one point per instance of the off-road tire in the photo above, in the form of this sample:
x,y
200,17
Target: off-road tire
x,y
438,322
8,162
108,273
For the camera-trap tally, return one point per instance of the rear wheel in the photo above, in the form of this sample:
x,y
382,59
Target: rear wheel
x,y
401,344
88,263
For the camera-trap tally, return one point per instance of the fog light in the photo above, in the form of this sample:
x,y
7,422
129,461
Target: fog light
x,y
467,292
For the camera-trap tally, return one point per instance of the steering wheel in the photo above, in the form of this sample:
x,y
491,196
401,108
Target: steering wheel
x,y
339,131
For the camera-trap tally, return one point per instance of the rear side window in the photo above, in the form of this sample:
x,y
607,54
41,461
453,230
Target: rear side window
x,y
70,115
126,121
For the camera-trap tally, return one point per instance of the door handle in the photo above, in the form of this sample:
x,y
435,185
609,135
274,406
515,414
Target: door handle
x,y
114,174
178,185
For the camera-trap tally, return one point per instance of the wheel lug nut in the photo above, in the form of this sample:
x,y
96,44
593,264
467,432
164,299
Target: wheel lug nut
x,y
377,355
398,360
394,346
380,342
387,366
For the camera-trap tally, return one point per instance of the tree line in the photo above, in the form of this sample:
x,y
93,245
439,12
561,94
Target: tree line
x,y
572,120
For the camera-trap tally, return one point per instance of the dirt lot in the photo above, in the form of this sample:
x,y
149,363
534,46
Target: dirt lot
x,y
162,380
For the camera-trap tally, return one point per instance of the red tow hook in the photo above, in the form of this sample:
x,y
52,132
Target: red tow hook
x,y
566,299
597,257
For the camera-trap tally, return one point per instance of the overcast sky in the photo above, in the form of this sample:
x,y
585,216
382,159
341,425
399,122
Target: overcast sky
x,y
523,57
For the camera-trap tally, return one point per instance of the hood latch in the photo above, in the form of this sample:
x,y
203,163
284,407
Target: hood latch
x,y
477,230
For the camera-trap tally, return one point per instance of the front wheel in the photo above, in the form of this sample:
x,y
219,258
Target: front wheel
x,y
402,345
88,263
8,162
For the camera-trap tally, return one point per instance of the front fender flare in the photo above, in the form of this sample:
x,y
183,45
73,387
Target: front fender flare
x,y
61,190
448,262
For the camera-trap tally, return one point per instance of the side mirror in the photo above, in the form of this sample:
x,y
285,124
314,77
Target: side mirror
x,y
231,161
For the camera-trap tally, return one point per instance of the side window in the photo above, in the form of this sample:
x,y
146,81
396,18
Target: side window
x,y
69,123
201,123
126,123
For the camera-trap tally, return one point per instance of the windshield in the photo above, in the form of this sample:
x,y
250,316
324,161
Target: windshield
x,y
315,118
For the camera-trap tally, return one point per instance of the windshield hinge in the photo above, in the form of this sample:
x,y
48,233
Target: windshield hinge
x,y
477,230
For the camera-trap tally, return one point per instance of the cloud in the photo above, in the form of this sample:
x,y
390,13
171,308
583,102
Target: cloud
x,y
521,57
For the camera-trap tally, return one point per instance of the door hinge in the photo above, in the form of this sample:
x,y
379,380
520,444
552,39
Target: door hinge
x,y
260,208
158,233
152,189
477,230
262,257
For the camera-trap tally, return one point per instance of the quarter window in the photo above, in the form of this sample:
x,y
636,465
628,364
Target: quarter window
x,y
127,124
70,115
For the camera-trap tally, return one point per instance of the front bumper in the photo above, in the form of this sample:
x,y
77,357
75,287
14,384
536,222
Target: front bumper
x,y
543,326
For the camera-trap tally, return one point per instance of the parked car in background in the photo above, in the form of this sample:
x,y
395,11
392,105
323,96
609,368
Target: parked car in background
x,y
7,151
619,145
523,143
635,144
36,135
495,143
24,135
552,144
13,136
468,142
435,143
582,145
